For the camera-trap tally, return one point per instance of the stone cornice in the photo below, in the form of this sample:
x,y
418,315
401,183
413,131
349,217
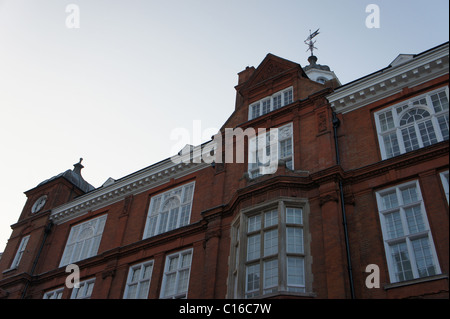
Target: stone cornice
x,y
133,184
391,80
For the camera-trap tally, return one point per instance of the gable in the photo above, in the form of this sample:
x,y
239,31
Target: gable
x,y
272,66
401,58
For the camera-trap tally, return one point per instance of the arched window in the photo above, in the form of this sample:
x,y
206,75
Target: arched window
x,y
417,129
169,210
413,124
84,240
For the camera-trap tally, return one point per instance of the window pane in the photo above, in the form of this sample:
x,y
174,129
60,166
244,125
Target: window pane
x,y
270,275
271,218
170,284
163,222
443,125
173,219
294,216
185,215
253,247
427,133
424,259
285,148
389,200
143,290
152,224
409,195
410,138
414,219
394,226
440,101
277,101
402,264
288,98
294,240
135,274
90,287
173,263
295,271
414,115
155,205
183,281
252,278
265,106
188,193
147,271
254,223
386,121
270,242
391,145
255,110
186,260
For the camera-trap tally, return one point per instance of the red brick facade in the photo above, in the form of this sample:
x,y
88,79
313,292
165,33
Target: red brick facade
x,y
327,183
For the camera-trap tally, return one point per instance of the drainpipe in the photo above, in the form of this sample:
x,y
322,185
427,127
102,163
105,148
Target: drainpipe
x,y
336,124
46,232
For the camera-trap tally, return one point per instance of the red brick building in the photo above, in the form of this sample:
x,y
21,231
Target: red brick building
x,y
361,179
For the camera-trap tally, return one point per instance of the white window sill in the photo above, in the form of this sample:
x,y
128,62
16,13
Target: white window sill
x,y
415,281
9,270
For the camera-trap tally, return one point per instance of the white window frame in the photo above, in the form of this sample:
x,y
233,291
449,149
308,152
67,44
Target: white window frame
x,y
84,240
403,235
444,180
177,293
271,142
160,220
260,108
259,255
84,291
54,294
394,133
142,283
20,251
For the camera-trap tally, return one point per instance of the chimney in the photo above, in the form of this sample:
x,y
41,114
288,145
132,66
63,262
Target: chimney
x,y
246,74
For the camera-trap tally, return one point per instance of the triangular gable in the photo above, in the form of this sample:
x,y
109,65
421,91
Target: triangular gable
x,y
401,58
270,67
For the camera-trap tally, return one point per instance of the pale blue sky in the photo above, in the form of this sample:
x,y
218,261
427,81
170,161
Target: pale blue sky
x,y
113,90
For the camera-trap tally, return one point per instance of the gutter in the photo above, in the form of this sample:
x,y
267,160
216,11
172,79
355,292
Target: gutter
x,y
336,124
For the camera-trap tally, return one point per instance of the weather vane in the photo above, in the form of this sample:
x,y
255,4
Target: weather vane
x,y
309,42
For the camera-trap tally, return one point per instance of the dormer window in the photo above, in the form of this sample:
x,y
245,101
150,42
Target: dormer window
x,y
271,103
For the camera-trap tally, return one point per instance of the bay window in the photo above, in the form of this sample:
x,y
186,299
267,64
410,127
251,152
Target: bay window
x,y
269,254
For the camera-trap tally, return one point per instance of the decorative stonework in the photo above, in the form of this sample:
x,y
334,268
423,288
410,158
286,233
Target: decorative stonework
x,y
322,124
272,69
121,189
390,81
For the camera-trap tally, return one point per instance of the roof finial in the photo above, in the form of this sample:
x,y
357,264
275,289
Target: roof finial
x,y
78,167
310,43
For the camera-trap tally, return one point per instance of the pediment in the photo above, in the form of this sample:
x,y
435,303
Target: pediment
x,y
271,67
401,58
